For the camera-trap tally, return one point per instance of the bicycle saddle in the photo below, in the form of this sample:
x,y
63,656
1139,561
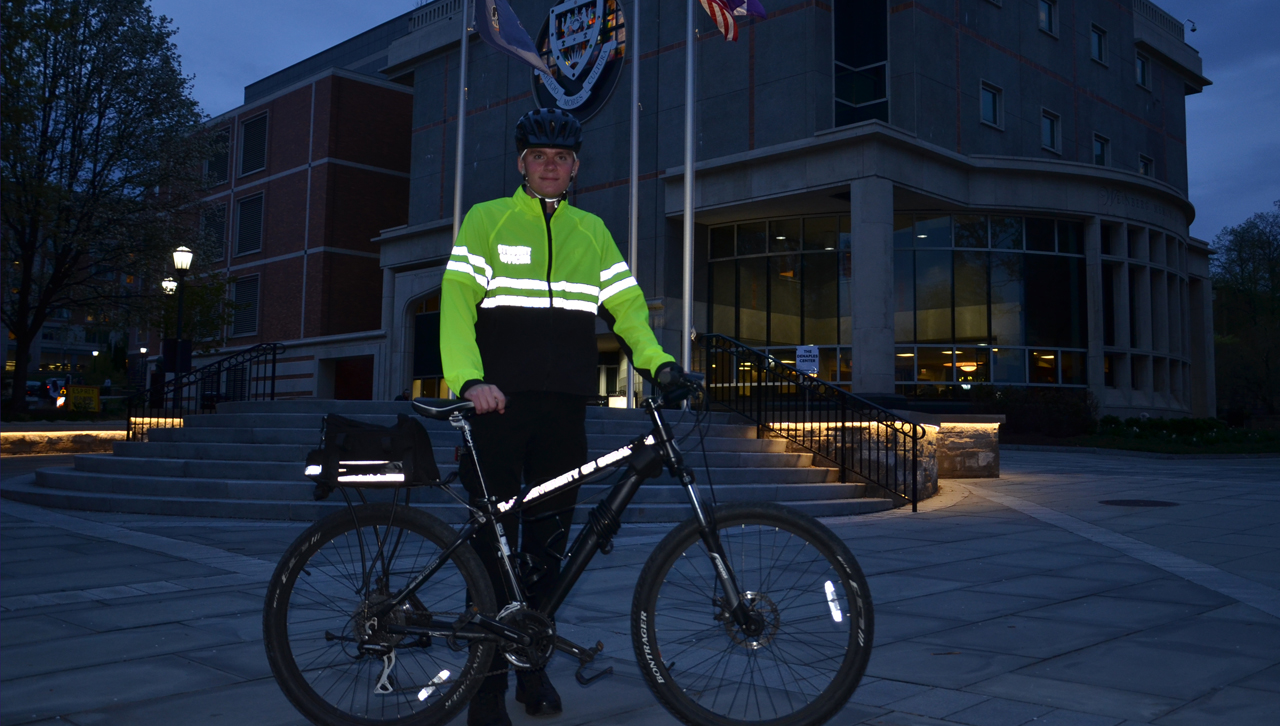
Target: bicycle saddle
x,y
441,408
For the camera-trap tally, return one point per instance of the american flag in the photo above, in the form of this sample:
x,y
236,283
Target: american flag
x,y
720,12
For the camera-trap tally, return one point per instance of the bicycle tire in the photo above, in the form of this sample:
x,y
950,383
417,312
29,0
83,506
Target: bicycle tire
x,y
318,590
817,608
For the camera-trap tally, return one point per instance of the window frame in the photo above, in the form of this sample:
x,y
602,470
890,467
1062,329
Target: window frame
x,y
257,308
1097,31
262,224
998,92
1052,15
1151,166
1106,150
1142,70
266,144
1057,130
204,224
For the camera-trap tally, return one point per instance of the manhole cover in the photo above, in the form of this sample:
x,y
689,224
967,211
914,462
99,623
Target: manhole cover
x,y
1137,503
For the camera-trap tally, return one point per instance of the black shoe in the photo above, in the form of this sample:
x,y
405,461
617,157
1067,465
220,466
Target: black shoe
x,y
535,691
489,705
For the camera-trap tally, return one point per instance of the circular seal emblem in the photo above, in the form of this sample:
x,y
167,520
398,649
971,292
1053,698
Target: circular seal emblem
x,y
583,42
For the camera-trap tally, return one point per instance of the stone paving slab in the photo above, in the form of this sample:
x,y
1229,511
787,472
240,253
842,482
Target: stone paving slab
x,y
1015,601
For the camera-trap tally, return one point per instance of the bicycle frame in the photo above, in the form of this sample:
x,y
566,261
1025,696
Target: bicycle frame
x,y
644,458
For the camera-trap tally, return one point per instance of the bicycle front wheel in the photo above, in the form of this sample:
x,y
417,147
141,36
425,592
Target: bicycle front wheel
x,y
811,600
337,663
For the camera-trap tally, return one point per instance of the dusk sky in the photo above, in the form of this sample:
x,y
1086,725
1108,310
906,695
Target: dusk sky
x,y
1233,147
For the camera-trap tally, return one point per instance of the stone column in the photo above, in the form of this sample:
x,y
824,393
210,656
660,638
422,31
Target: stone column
x,y
387,367
870,290
1093,298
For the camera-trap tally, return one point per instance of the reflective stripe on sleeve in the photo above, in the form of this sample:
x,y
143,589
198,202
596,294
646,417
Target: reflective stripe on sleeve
x,y
476,260
617,287
612,272
468,269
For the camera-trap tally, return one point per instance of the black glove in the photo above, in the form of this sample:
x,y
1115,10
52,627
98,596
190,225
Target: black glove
x,y
668,375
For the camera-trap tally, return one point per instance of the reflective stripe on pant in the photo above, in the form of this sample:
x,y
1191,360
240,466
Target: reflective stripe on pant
x,y
541,435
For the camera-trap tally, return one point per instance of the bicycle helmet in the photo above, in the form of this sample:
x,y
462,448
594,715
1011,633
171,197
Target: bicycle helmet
x,y
548,128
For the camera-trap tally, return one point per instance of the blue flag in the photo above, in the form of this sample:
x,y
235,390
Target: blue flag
x,y
498,25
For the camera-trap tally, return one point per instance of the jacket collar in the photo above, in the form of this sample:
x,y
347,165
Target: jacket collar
x,y
532,205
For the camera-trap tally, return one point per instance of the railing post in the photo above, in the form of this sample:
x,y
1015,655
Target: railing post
x,y
273,372
915,466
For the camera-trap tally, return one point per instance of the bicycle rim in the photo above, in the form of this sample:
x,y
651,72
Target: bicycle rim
x,y
814,603
315,616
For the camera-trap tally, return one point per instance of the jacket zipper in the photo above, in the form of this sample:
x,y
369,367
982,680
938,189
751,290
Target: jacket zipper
x,y
546,380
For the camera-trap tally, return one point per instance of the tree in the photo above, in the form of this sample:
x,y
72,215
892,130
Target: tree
x,y
1246,280
102,152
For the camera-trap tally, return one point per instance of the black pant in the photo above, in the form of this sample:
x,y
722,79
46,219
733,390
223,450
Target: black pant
x,y
541,435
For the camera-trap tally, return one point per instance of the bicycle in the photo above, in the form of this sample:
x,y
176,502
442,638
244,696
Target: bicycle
x,y
743,614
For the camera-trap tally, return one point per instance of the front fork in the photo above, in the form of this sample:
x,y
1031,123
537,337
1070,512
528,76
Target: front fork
x,y
747,619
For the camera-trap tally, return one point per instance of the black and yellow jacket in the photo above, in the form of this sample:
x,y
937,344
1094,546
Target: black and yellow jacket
x,y
521,293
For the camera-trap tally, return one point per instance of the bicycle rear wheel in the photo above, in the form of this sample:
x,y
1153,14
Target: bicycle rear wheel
x,y
336,664
798,577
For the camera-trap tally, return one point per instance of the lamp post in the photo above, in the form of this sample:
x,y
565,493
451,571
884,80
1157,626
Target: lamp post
x,y
181,264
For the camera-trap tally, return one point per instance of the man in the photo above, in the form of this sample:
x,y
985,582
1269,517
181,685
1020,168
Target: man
x,y
518,307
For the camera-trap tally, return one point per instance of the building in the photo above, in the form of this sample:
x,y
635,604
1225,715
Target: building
x,y
940,195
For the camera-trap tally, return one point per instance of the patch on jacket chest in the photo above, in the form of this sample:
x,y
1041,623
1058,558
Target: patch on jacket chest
x,y
515,255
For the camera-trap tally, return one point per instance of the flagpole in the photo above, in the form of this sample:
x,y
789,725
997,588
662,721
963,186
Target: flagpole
x,y
686,324
462,123
633,233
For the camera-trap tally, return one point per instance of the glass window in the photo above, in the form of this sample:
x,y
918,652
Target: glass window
x,y
785,235
784,300
1073,367
903,230
1070,237
1049,131
723,287
933,296
1007,298
1142,70
934,364
972,365
821,233
1040,235
1009,365
1048,16
1044,366
904,288
753,300
1055,298
904,365
971,231
751,238
971,296
1098,44
821,299
989,102
933,231
1146,166
1101,150
1006,233
721,242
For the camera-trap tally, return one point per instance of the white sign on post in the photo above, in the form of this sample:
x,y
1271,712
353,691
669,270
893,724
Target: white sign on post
x,y
807,359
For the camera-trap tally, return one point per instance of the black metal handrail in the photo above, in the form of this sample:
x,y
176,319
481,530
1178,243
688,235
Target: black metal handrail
x,y
854,434
249,375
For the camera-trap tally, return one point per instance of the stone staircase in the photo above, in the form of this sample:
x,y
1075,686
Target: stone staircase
x,y
246,461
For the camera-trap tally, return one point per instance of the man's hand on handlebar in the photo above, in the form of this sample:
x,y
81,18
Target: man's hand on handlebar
x,y
487,398
676,384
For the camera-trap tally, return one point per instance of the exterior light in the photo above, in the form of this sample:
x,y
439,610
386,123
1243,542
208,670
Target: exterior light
x,y
922,236
906,355
169,284
95,354
142,351
182,259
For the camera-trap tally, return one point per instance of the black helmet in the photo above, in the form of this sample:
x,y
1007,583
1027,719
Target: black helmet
x,y
548,128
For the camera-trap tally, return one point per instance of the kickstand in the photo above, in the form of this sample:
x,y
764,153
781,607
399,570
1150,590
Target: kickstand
x,y
585,656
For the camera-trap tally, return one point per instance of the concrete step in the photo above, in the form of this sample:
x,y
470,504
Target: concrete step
x,y
299,510
283,419
625,431
318,406
152,465
660,490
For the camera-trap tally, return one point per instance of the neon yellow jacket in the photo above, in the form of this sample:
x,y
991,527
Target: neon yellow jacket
x,y
521,294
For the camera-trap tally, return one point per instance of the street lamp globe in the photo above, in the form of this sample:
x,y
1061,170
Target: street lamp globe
x,y
142,351
95,354
169,284
182,259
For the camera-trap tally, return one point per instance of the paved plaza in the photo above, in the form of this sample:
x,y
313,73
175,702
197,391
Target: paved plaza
x,y
1020,600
